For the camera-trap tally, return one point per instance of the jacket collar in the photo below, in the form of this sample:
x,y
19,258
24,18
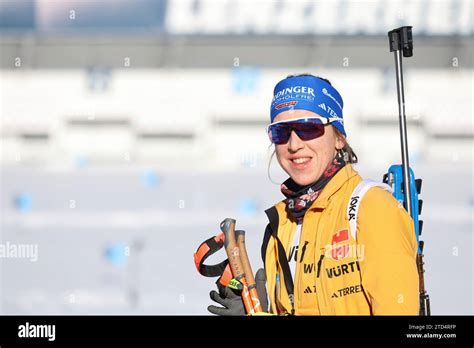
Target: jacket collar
x,y
277,215
333,186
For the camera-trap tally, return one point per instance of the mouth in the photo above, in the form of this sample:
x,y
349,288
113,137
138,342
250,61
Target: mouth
x,y
300,162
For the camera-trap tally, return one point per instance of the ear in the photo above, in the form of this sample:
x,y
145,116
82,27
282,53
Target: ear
x,y
340,142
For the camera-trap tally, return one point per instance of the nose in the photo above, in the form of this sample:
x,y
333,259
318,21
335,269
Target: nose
x,y
295,143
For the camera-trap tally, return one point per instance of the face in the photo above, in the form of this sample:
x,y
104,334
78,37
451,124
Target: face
x,y
305,161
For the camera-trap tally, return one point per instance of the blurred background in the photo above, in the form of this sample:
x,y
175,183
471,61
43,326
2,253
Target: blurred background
x,y
129,129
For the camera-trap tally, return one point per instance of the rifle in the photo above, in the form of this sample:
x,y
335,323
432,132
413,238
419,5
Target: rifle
x,y
401,177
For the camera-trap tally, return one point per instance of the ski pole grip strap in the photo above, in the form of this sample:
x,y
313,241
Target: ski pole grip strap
x,y
206,249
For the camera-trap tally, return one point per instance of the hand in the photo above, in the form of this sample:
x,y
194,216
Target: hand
x,y
232,300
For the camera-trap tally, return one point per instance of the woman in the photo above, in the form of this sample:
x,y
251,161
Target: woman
x,y
326,250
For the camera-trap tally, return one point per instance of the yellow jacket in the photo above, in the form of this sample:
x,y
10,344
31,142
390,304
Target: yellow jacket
x,y
336,274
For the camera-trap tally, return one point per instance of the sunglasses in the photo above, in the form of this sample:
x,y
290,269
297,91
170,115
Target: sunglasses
x,y
305,128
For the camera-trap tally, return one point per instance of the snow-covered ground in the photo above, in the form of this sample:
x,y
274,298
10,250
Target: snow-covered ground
x,y
81,221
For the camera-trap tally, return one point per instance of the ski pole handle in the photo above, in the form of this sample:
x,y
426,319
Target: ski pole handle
x,y
248,271
233,254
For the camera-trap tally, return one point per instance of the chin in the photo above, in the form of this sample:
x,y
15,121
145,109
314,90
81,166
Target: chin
x,y
303,180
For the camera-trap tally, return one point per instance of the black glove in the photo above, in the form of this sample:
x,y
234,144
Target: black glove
x,y
232,299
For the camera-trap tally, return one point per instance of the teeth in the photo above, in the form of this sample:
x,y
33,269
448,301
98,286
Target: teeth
x,y
301,160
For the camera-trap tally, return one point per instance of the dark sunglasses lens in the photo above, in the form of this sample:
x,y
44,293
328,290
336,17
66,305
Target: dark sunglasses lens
x,y
279,134
309,131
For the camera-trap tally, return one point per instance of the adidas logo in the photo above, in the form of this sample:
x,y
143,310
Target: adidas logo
x,y
308,290
334,296
322,106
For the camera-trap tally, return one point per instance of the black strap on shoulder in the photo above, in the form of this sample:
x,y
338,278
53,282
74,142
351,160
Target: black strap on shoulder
x,y
272,214
266,238
272,231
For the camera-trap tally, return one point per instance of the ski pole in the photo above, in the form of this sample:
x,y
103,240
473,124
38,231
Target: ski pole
x,y
252,286
233,253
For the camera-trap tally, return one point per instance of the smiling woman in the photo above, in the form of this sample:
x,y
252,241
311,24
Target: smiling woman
x,y
325,250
